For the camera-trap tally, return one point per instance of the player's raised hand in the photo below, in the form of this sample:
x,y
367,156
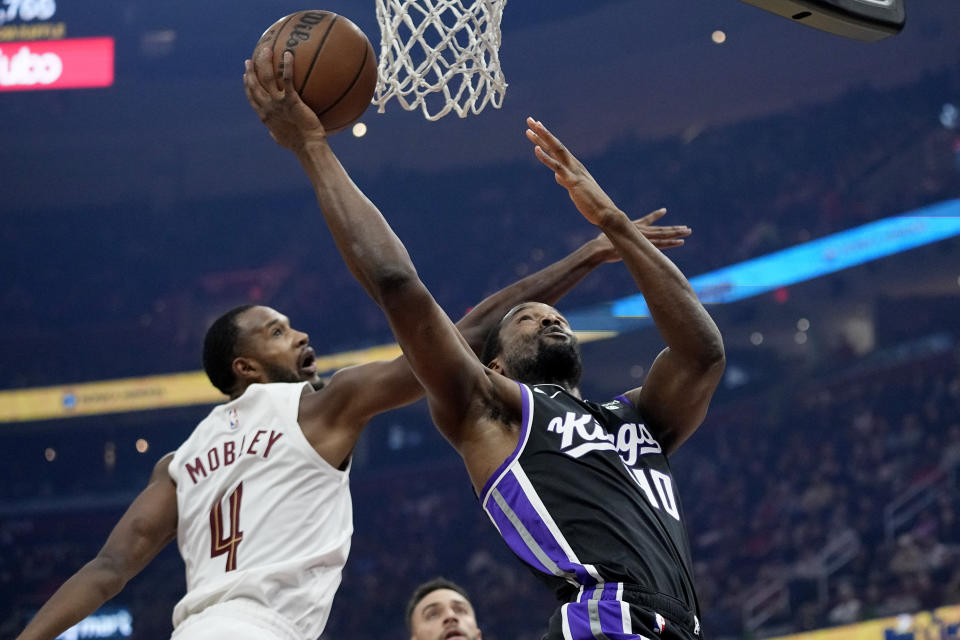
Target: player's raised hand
x,y
592,202
290,121
662,237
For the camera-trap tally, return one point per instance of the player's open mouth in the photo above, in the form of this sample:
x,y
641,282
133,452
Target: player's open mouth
x,y
308,361
453,633
556,332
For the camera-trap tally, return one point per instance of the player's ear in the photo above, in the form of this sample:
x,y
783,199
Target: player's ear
x,y
246,369
496,365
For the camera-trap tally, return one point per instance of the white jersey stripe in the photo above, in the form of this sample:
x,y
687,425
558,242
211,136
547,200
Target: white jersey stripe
x,y
625,616
565,621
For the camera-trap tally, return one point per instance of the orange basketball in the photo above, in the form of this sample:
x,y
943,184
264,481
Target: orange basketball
x,y
335,68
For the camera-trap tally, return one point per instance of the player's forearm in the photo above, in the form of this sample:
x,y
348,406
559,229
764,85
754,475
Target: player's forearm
x,y
79,597
548,285
370,248
681,319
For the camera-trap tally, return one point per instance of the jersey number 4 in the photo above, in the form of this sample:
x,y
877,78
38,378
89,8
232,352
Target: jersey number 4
x,y
220,544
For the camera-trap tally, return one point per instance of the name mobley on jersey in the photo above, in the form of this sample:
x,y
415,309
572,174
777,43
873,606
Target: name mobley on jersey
x,y
228,452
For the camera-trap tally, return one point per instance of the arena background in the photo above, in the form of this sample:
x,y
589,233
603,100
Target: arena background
x,y
822,489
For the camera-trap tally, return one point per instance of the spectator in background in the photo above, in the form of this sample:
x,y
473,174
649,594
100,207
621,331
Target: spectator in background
x,y
440,610
848,607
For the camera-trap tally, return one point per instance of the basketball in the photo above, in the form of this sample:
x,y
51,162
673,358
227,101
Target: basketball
x,y
335,68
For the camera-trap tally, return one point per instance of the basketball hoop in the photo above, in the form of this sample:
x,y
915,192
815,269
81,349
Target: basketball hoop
x,y
440,55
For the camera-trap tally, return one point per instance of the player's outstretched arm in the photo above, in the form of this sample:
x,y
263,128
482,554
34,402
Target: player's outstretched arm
x,y
148,525
454,380
678,388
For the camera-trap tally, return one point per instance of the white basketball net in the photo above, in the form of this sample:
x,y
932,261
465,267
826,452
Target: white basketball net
x,y
440,55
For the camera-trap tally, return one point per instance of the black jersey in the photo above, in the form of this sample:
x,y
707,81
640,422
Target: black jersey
x,y
587,500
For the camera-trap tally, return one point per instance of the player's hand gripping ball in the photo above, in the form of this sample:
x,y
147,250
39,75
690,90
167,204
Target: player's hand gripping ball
x,y
335,68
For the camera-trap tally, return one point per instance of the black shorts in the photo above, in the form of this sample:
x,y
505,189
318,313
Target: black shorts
x,y
636,615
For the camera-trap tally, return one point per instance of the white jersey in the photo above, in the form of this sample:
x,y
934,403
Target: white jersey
x,y
262,517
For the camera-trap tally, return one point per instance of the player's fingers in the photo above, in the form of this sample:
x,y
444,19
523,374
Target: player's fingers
x,y
539,135
653,216
667,232
534,138
545,158
674,230
248,88
669,244
286,67
265,71
249,93
256,94
549,141
249,77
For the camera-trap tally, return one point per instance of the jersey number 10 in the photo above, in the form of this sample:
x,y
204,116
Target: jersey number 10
x,y
664,488
220,544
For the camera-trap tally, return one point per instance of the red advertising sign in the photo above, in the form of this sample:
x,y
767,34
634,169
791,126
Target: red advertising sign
x,y
72,63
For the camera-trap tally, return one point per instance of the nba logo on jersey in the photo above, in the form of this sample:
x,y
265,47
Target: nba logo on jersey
x,y
234,418
660,623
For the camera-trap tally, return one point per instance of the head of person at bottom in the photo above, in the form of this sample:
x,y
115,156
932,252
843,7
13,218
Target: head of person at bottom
x,y
254,344
440,610
534,344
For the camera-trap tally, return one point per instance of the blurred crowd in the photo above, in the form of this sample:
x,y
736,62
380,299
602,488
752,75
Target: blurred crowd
x,y
769,482
809,463
155,274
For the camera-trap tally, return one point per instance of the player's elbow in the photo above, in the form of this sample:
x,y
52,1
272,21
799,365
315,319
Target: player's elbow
x,y
714,358
709,357
109,579
394,282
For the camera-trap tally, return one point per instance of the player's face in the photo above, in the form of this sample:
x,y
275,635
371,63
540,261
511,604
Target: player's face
x,y
282,353
538,346
444,614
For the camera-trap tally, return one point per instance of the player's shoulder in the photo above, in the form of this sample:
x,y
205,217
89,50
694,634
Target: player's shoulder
x,y
272,397
284,390
257,401
620,408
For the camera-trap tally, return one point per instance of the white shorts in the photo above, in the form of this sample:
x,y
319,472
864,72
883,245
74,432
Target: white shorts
x,y
237,620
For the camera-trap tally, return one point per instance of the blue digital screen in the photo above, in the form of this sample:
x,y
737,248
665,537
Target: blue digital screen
x,y
799,263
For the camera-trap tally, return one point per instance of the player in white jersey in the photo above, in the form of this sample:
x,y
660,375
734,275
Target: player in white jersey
x,y
258,495
262,517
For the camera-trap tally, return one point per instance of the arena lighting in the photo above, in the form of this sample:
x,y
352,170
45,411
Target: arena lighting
x,y
743,280
797,264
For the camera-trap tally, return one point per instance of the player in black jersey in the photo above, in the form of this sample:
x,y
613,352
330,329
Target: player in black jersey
x,y
581,492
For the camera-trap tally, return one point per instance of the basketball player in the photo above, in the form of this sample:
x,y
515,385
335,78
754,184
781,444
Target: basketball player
x,y
440,610
258,495
580,491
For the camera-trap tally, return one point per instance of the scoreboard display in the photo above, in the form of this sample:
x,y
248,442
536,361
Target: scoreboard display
x,y
36,52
